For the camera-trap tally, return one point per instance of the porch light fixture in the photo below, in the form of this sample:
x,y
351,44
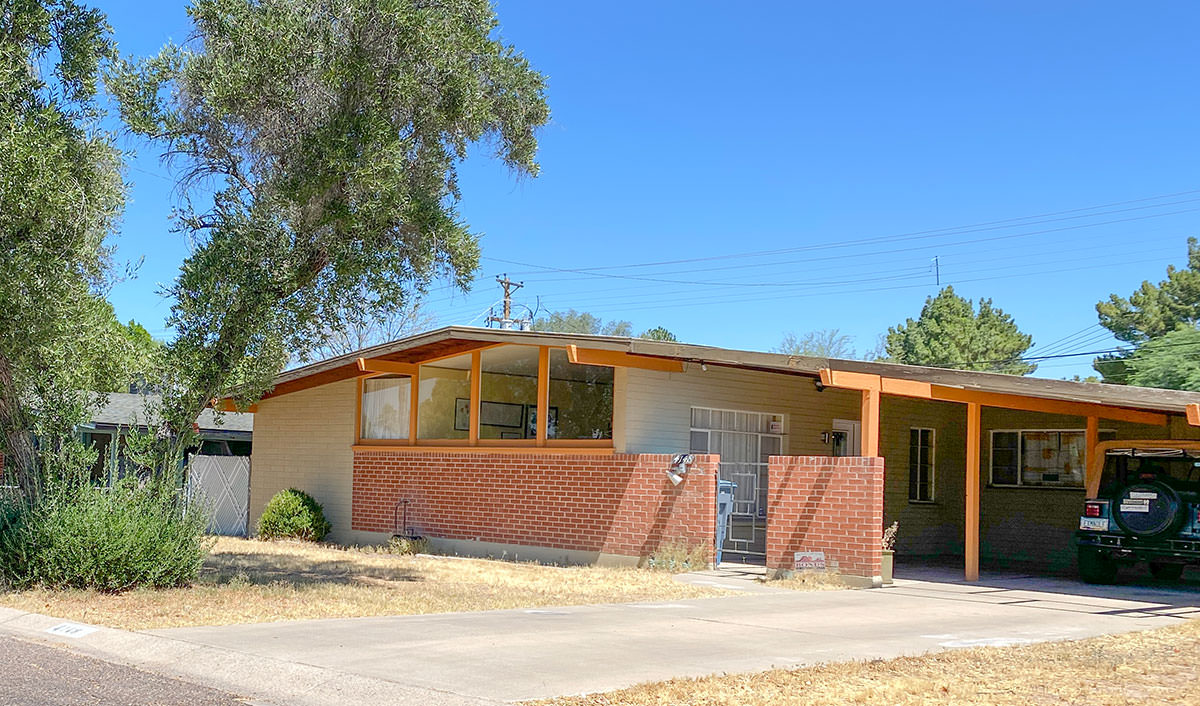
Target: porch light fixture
x,y
679,467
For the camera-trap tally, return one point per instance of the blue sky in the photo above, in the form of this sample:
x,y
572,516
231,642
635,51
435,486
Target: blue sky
x,y
798,166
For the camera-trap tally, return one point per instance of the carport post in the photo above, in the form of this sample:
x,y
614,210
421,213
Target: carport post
x,y
971,526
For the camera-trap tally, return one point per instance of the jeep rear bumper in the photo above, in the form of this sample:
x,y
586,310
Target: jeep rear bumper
x,y
1121,546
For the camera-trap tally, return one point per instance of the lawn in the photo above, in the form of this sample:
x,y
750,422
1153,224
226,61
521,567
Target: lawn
x,y
249,581
1152,667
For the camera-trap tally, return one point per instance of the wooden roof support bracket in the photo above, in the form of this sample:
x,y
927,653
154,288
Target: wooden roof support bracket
x,y
617,359
1193,414
376,365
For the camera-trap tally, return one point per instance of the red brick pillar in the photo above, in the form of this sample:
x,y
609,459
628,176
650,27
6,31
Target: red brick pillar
x,y
830,505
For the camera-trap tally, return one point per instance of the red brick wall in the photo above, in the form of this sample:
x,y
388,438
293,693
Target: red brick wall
x,y
616,504
834,505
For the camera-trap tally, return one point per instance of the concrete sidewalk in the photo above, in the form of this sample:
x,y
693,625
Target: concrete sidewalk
x,y
525,654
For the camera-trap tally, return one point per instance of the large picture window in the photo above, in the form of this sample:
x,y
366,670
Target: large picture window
x,y
581,400
489,397
1040,458
441,385
386,406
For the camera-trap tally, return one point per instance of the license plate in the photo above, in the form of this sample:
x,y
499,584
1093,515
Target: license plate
x,y
1096,524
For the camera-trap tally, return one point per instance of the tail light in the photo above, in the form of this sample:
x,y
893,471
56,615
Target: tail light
x,y
1092,509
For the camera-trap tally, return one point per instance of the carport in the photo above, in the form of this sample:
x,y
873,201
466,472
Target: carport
x,y
1116,412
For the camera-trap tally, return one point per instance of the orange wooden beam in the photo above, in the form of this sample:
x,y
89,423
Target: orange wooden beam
x,y
870,422
543,395
1091,440
971,522
227,405
375,365
1193,414
476,396
1041,404
617,359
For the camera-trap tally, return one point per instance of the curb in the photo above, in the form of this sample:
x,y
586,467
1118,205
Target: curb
x,y
263,680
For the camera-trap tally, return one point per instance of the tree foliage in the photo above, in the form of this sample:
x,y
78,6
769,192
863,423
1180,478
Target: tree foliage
x,y
658,333
61,193
1170,361
318,144
357,331
825,343
1150,313
571,321
950,333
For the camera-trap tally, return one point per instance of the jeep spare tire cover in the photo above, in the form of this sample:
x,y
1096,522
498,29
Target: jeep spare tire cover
x,y
1147,509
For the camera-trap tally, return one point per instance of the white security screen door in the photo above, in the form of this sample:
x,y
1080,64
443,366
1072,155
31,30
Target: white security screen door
x,y
744,440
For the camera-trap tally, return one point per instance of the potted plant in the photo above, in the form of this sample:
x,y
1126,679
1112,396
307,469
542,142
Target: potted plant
x,y
889,546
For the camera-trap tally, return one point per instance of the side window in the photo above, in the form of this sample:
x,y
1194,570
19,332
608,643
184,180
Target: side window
x,y
920,464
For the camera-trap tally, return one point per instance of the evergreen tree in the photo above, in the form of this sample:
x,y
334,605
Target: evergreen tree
x,y
950,333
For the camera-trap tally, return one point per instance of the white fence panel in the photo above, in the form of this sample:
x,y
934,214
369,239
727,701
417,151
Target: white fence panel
x,y
222,483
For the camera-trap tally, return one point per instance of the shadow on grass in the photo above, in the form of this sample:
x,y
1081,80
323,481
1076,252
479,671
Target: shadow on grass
x,y
263,568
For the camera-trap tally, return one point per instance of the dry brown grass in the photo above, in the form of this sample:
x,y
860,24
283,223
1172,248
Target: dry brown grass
x,y
1153,667
810,581
249,581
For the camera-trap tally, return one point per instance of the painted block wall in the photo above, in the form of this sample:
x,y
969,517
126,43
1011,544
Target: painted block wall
x,y
621,505
655,408
303,440
833,505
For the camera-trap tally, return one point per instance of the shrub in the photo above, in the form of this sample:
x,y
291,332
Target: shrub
x,y
110,539
293,514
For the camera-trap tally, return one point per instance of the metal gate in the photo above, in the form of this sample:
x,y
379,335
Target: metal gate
x,y
744,440
222,484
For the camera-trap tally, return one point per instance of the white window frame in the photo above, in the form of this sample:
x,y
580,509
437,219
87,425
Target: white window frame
x,y
852,428
1021,456
932,466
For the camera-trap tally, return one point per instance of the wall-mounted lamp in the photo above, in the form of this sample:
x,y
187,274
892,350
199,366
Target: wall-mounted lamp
x,y
679,467
704,367
817,384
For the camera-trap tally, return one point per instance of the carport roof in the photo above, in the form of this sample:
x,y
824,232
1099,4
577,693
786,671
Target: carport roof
x,y
460,339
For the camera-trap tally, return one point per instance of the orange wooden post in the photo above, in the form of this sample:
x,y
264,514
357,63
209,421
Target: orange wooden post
x,y
1090,468
543,395
971,525
414,400
870,422
476,395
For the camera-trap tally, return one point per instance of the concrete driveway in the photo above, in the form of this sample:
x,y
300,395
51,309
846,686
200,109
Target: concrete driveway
x,y
524,654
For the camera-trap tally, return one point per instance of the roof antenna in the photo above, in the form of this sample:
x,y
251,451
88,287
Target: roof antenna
x,y
507,322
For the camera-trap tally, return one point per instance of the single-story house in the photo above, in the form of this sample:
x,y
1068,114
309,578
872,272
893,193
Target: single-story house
x,y
220,434
567,448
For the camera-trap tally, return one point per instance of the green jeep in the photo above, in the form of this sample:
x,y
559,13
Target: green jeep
x,y
1145,507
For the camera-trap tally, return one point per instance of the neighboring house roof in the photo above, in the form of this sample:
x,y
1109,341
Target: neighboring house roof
x,y
125,409
459,339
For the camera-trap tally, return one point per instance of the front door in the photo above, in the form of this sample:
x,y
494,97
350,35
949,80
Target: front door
x,y
744,440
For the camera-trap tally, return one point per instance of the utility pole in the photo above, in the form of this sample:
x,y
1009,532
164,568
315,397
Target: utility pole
x,y
507,321
937,272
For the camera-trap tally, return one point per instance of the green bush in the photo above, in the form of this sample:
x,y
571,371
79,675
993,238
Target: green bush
x,y
293,514
110,539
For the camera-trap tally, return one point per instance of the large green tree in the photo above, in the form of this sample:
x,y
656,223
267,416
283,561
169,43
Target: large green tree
x,y
1171,361
951,333
1152,312
571,321
61,193
318,143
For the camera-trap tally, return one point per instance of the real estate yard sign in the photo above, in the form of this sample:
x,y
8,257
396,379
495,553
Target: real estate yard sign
x,y
809,560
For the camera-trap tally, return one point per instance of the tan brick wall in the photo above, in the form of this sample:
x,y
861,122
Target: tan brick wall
x,y
613,504
303,440
833,505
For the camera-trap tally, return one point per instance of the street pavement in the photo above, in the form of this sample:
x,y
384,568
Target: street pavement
x,y
475,659
41,675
